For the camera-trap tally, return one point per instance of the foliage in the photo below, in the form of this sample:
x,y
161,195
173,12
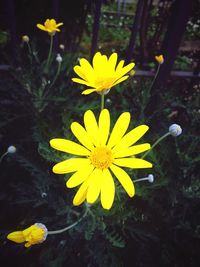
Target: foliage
x,y
158,227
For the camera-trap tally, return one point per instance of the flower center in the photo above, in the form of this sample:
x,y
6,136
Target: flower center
x,y
101,157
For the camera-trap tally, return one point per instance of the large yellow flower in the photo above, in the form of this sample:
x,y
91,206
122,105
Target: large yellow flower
x,y
101,155
35,234
104,73
50,26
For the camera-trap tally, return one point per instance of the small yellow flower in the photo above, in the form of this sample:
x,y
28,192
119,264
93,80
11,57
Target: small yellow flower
x,y
101,155
50,26
35,234
25,38
159,59
102,74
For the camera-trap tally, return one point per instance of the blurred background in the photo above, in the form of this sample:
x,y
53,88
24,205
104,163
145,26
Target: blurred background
x,y
161,225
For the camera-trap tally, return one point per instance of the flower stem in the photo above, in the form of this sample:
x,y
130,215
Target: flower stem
x,y
141,179
102,101
157,142
56,76
2,156
70,226
50,51
155,77
30,52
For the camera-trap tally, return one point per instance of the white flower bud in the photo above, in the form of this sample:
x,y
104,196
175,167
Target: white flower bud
x,y
150,178
11,149
61,46
59,58
175,130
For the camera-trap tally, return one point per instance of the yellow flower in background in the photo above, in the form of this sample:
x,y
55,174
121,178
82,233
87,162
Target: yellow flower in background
x,y
159,59
50,26
101,155
35,234
103,74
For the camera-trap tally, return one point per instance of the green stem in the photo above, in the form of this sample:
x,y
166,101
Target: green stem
x,y
30,52
50,51
157,142
155,77
102,101
29,49
56,76
2,156
70,226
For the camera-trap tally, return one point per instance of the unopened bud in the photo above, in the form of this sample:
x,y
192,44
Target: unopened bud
x,y
59,58
11,149
25,38
150,178
61,46
175,130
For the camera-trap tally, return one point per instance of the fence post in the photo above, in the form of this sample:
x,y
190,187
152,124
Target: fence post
x,y
96,24
10,23
180,13
55,12
135,29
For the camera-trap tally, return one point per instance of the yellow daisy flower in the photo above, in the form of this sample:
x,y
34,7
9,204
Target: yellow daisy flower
x,y
101,155
103,74
35,234
159,59
50,26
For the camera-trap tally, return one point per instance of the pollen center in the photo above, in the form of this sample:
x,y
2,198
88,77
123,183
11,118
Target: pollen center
x,y
101,157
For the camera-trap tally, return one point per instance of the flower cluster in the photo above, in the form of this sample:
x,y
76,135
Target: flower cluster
x,y
101,152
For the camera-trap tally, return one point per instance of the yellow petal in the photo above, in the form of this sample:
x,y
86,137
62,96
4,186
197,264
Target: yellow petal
x,y
129,151
107,190
120,80
77,80
124,179
120,66
94,186
69,147
88,91
112,60
69,165
41,27
81,194
132,137
119,129
87,69
125,69
80,176
16,236
104,126
97,62
133,163
91,127
82,135
59,24
79,71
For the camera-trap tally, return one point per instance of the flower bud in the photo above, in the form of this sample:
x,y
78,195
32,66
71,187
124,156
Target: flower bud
x,y
159,59
175,130
35,234
59,58
150,178
11,149
61,46
25,38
